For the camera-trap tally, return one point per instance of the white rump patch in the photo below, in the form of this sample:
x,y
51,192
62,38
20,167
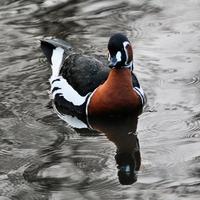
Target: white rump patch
x,y
67,91
119,56
56,59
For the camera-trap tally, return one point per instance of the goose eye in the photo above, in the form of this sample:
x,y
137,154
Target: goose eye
x,y
127,47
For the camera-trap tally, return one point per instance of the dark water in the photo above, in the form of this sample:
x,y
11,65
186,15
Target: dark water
x,y
41,157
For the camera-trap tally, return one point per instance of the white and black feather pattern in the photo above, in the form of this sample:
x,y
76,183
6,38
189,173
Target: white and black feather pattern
x,y
56,60
75,77
66,99
142,95
138,89
60,86
84,73
48,46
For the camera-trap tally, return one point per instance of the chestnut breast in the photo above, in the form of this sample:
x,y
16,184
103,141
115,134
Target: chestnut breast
x,y
116,96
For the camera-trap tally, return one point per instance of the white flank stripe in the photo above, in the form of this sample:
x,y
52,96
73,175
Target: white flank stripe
x,y
56,59
67,91
72,121
88,102
86,109
140,92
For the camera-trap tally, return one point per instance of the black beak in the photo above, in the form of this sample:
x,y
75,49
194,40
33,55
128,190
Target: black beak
x,y
113,62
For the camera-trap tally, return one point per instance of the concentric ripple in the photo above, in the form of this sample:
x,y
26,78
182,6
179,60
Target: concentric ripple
x,y
155,126
76,165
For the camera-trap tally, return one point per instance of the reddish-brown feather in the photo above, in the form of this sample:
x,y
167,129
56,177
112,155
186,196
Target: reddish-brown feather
x,y
116,96
130,53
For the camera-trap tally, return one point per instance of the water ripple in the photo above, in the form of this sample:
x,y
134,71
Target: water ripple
x,y
82,165
193,127
194,81
156,124
77,165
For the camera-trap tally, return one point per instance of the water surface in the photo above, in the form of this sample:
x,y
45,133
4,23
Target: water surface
x,y
41,157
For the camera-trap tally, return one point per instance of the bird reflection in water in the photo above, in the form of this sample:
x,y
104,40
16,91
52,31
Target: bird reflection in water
x,y
122,131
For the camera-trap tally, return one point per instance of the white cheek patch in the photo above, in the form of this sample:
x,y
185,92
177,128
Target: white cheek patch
x,y
59,85
119,56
